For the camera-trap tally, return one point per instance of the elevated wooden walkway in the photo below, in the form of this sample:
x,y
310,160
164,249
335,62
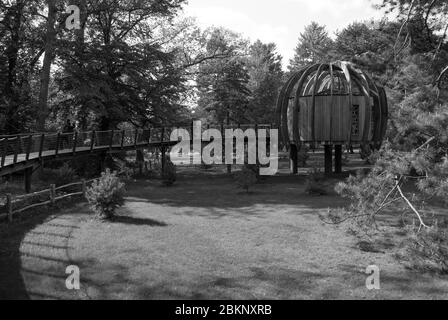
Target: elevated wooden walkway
x,y
25,152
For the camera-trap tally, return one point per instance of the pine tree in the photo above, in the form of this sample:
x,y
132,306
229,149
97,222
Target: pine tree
x,y
313,47
265,71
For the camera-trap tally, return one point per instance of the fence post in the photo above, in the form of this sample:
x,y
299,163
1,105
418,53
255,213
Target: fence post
x,y
84,187
52,194
9,206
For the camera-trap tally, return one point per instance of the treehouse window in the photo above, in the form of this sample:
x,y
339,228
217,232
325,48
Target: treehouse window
x,y
355,120
372,121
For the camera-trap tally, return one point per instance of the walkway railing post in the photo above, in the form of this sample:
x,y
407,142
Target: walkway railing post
x,y
58,141
9,206
28,149
41,148
16,149
136,138
111,142
123,134
75,142
92,140
4,150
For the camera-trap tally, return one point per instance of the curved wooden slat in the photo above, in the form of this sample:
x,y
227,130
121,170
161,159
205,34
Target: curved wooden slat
x,y
282,106
384,112
332,101
313,107
344,68
295,122
364,87
334,79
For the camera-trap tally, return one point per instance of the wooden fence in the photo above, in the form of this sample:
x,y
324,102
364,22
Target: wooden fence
x,y
51,196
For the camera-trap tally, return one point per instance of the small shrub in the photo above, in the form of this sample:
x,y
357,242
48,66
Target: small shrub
x,y
246,178
315,183
169,174
106,195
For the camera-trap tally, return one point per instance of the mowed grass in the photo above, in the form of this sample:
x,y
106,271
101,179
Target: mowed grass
x,y
204,239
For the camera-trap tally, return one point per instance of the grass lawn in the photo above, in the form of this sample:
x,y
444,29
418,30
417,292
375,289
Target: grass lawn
x,y
204,239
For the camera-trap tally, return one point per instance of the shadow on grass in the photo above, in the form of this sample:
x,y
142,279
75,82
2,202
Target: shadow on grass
x,y
138,221
220,192
270,283
12,286
27,232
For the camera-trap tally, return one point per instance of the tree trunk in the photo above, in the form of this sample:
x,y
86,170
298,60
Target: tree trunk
x,y
46,67
13,49
15,15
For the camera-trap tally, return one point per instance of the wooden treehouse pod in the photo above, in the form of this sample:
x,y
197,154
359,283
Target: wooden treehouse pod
x,y
332,104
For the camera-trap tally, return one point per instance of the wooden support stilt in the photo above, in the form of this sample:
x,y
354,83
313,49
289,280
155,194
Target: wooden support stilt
x,y
294,159
338,159
9,207
52,194
328,159
28,178
223,135
163,160
84,187
103,162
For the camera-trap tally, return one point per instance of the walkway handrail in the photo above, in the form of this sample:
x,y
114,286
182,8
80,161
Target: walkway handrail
x,y
14,149
24,147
